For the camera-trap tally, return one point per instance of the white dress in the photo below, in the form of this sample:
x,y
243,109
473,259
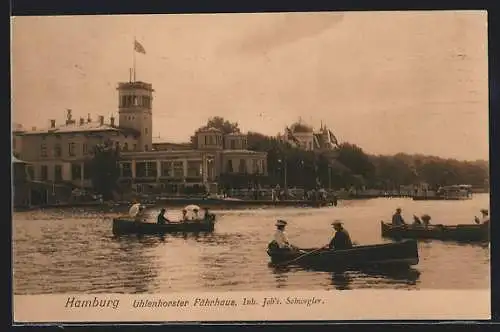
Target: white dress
x,y
281,239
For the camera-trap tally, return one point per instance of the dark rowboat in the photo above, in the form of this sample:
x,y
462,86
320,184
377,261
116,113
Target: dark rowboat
x,y
403,253
465,233
129,226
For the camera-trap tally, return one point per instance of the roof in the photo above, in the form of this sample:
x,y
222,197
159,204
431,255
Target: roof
x,y
80,128
209,129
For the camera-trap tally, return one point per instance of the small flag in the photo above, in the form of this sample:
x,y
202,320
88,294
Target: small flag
x,y
332,138
291,136
138,47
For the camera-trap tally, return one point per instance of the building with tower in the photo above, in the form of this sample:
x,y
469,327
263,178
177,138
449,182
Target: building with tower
x,y
61,153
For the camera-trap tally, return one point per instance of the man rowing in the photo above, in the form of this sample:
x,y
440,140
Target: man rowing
x,y
397,218
161,219
341,240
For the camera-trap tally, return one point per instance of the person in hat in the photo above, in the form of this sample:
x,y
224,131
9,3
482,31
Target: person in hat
x,y
341,239
484,217
280,236
161,219
397,218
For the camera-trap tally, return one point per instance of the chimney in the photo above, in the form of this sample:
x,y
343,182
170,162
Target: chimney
x,y
101,120
52,123
82,121
112,120
88,118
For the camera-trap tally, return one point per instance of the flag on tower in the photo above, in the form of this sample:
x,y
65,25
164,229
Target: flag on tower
x,y
138,47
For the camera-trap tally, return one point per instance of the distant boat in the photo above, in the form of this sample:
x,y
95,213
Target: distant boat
x,y
454,192
459,233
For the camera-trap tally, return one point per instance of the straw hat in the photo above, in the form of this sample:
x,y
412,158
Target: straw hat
x,y
337,223
281,223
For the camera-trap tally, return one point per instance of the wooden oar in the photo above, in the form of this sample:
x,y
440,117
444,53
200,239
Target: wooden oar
x,y
301,256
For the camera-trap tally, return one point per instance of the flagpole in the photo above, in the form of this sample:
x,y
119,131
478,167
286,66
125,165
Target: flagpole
x,y
133,49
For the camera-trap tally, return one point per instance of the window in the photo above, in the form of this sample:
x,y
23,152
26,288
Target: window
x,y
146,169
71,149
44,173
85,148
135,147
125,146
43,150
87,170
76,171
146,147
206,140
57,150
229,168
145,130
194,168
232,144
178,169
14,140
126,170
260,167
242,168
166,168
255,168
58,173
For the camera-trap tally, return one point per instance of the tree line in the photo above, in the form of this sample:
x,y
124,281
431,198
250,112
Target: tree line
x,y
349,166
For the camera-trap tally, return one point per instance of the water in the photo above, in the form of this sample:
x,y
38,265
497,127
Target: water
x,y
71,251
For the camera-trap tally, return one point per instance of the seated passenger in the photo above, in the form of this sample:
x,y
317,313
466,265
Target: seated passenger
x,y
341,239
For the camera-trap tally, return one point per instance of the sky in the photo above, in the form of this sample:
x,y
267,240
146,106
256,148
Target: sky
x,y
413,82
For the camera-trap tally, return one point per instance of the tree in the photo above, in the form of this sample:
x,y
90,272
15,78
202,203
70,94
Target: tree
x,y
353,157
104,169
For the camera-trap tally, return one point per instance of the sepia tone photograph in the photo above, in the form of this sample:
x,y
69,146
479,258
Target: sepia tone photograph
x,y
332,151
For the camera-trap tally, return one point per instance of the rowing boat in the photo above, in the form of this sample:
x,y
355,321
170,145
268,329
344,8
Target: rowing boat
x,y
129,226
404,253
465,232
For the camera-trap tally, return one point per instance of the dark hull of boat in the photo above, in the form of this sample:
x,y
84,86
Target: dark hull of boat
x,y
402,254
461,233
125,226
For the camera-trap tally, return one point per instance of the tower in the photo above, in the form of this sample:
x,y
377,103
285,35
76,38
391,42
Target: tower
x,y
135,101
